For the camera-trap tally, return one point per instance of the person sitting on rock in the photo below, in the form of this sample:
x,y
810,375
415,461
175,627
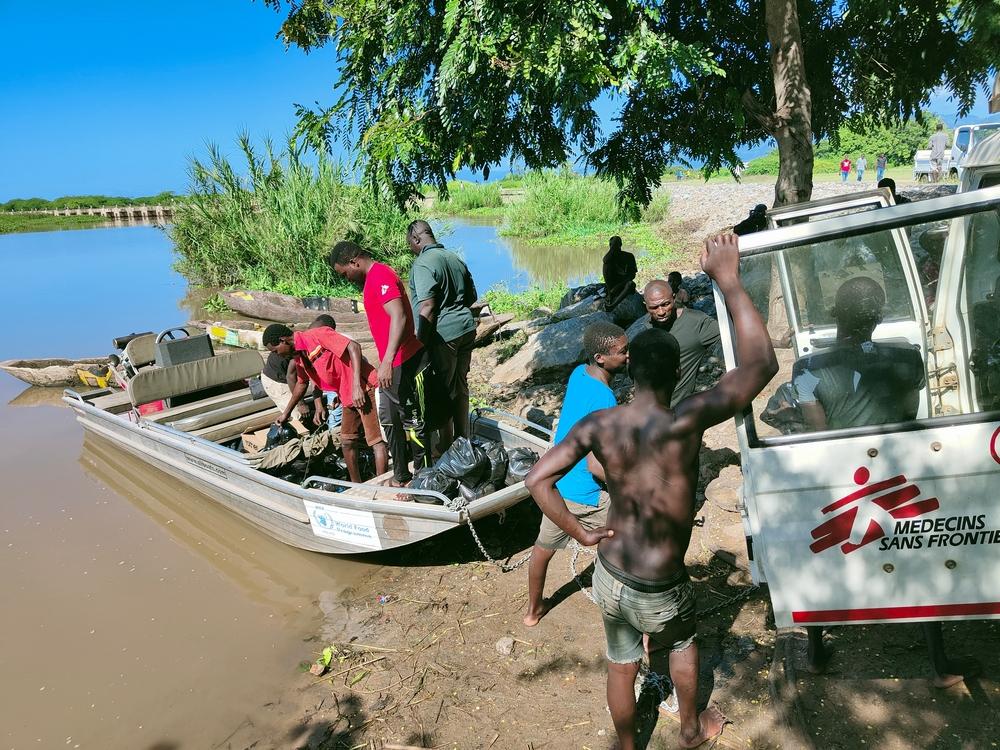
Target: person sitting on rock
x,y
588,390
619,271
334,363
696,332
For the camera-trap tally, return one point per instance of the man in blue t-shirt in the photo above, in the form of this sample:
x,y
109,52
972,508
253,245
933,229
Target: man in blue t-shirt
x,y
583,487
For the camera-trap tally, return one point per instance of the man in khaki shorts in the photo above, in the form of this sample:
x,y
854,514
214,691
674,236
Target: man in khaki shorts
x,y
588,391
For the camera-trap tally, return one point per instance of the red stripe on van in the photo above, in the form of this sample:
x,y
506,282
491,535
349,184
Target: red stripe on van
x,y
896,613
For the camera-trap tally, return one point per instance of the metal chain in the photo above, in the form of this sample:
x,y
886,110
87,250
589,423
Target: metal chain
x,y
741,596
577,549
505,567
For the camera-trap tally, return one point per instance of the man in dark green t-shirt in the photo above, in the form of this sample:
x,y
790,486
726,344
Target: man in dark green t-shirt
x,y
442,293
696,332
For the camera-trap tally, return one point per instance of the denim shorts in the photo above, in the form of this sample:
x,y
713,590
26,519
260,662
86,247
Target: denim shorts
x,y
668,617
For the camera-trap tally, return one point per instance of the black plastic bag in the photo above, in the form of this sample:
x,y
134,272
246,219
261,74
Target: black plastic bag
x,y
474,493
464,461
279,434
519,463
784,412
433,480
497,455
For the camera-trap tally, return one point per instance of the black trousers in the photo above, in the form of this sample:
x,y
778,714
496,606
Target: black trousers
x,y
402,409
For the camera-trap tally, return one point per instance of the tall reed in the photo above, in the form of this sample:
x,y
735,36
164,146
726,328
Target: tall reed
x,y
271,225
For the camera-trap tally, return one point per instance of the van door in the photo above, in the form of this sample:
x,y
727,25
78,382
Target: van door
x,y
864,503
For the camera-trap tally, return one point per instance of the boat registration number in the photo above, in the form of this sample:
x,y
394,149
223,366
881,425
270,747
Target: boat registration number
x,y
348,525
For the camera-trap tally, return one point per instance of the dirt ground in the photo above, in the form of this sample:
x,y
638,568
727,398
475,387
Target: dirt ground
x,y
430,650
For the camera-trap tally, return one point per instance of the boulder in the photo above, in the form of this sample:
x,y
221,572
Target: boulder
x,y
629,310
540,312
555,349
583,307
576,294
640,325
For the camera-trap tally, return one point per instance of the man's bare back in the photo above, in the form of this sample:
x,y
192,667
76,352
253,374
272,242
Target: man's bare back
x,y
649,454
650,466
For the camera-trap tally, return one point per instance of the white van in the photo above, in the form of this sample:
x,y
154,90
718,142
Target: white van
x,y
964,141
888,508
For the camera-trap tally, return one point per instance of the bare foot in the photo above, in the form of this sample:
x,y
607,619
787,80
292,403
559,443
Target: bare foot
x,y
958,670
710,724
531,619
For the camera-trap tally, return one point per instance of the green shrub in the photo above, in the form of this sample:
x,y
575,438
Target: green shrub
x,y
273,227
472,197
502,300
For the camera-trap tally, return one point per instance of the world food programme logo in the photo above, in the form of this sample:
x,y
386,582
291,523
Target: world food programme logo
x,y
869,513
323,519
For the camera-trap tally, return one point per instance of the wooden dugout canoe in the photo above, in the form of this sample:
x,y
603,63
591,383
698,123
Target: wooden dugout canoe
x,y
50,372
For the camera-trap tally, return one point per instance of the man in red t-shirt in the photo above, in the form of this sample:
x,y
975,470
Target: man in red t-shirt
x,y
334,363
845,168
403,361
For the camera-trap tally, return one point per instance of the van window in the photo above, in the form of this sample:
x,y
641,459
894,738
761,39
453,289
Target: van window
x,y
962,139
982,301
868,365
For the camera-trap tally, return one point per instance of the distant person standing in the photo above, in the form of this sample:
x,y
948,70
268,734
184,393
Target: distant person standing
x,y
881,161
619,271
862,165
442,293
937,145
845,168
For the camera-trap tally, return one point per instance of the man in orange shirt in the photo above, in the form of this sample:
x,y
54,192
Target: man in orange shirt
x,y
334,363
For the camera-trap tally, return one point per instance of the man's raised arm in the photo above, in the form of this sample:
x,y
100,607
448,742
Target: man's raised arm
x,y
553,466
756,363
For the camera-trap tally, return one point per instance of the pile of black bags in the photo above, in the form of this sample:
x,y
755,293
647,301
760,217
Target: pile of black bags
x,y
471,469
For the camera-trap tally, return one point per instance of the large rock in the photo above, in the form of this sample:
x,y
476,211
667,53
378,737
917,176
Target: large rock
x,y
553,350
642,324
583,307
629,310
576,294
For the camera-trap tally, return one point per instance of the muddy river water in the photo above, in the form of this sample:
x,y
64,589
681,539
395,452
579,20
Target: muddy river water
x,y
137,614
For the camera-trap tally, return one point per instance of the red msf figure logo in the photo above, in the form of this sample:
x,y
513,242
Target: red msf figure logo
x,y
871,513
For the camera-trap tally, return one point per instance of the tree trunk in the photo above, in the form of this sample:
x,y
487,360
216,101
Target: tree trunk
x,y
793,103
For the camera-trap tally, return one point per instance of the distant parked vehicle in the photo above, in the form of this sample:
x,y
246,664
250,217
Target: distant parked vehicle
x,y
963,141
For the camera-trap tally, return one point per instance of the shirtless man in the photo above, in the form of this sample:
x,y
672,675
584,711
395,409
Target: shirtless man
x,y
649,452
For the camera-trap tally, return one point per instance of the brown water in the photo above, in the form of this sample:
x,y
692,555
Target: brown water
x,y
138,614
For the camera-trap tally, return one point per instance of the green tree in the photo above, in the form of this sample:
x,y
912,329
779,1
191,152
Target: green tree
x,y
427,87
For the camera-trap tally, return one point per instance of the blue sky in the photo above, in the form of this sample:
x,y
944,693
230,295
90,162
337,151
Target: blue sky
x,y
113,97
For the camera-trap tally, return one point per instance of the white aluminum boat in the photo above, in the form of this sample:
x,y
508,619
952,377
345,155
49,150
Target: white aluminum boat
x,y
185,441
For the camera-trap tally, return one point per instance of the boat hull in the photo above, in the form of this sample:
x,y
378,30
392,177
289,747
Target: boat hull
x,y
351,522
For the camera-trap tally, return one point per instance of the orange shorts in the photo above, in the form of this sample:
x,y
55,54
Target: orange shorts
x,y
355,421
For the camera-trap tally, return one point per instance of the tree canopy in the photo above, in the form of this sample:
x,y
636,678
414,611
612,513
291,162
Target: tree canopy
x,y
428,87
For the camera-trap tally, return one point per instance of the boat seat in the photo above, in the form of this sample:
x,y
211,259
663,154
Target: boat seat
x,y
176,413
141,351
224,431
225,413
158,383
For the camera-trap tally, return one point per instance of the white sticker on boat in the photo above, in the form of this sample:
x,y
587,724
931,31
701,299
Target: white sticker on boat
x,y
343,524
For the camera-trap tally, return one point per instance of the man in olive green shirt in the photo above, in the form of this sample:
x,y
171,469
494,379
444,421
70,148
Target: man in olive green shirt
x,y
442,293
696,332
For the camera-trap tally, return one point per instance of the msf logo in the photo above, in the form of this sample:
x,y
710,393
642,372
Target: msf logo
x,y
869,513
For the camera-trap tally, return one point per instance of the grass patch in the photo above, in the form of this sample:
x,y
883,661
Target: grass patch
x,y
11,223
471,198
563,208
502,300
271,225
